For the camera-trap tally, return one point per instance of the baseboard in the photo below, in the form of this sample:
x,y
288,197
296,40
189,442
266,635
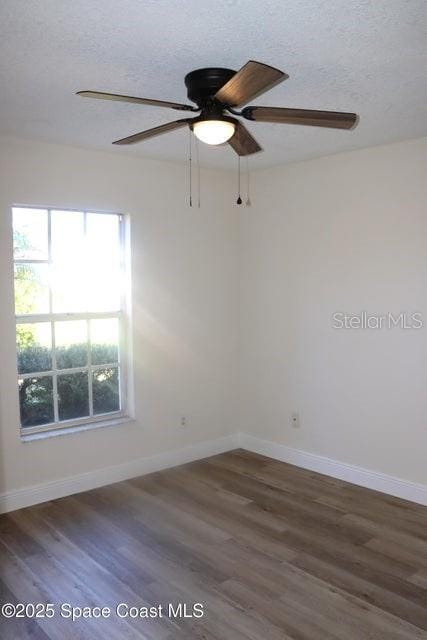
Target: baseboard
x,y
108,475
357,475
67,486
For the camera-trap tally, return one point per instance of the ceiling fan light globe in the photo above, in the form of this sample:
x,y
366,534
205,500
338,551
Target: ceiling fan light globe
x,y
214,132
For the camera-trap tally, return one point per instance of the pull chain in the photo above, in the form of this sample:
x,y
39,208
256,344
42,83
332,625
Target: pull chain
x,y
239,199
198,172
189,164
248,197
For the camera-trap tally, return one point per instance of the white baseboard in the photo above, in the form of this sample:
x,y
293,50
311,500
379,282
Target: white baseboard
x,y
67,486
108,475
357,475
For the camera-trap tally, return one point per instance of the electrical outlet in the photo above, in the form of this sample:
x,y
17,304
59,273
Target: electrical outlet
x,y
183,422
295,423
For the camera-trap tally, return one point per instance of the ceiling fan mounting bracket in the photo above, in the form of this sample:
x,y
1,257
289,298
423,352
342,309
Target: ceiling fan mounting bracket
x,y
235,112
247,113
202,84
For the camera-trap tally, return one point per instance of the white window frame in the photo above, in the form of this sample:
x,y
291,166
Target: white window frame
x,y
121,314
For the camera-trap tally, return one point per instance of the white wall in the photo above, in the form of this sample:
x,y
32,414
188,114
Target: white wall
x,y
341,233
184,305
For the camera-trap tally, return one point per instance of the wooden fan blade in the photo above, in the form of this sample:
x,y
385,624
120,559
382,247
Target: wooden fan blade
x,y
310,117
154,103
243,143
249,82
155,131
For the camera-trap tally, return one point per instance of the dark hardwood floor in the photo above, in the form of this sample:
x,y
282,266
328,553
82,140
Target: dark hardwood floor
x,y
272,551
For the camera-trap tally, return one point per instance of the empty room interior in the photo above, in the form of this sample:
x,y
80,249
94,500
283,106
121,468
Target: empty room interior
x,y
213,320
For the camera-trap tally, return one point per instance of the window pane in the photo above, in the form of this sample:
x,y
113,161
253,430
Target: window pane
x,y
103,288
103,254
106,396
69,270
104,341
34,347
30,235
71,344
67,262
73,395
31,288
103,236
67,232
36,401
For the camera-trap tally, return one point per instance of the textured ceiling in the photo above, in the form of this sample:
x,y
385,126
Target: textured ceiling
x,y
368,56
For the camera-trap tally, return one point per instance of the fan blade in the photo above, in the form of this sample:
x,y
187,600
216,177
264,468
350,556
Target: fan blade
x,y
333,119
249,82
149,101
243,143
156,131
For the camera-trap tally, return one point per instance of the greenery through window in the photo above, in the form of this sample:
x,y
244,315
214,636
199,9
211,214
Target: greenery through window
x,y
70,325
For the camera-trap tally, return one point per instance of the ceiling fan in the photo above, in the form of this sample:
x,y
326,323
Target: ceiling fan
x,y
217,92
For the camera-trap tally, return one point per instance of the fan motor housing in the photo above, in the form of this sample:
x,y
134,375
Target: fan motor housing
x,y
202,84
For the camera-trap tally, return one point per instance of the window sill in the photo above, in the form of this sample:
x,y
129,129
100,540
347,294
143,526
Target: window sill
x,y
89,426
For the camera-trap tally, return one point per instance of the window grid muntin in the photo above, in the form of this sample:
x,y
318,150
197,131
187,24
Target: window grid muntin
x,y
52,317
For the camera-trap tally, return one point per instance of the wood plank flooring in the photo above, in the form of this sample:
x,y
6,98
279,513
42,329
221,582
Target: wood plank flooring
x,y
272,551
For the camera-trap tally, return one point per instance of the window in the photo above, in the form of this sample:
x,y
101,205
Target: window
x,y
70,308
